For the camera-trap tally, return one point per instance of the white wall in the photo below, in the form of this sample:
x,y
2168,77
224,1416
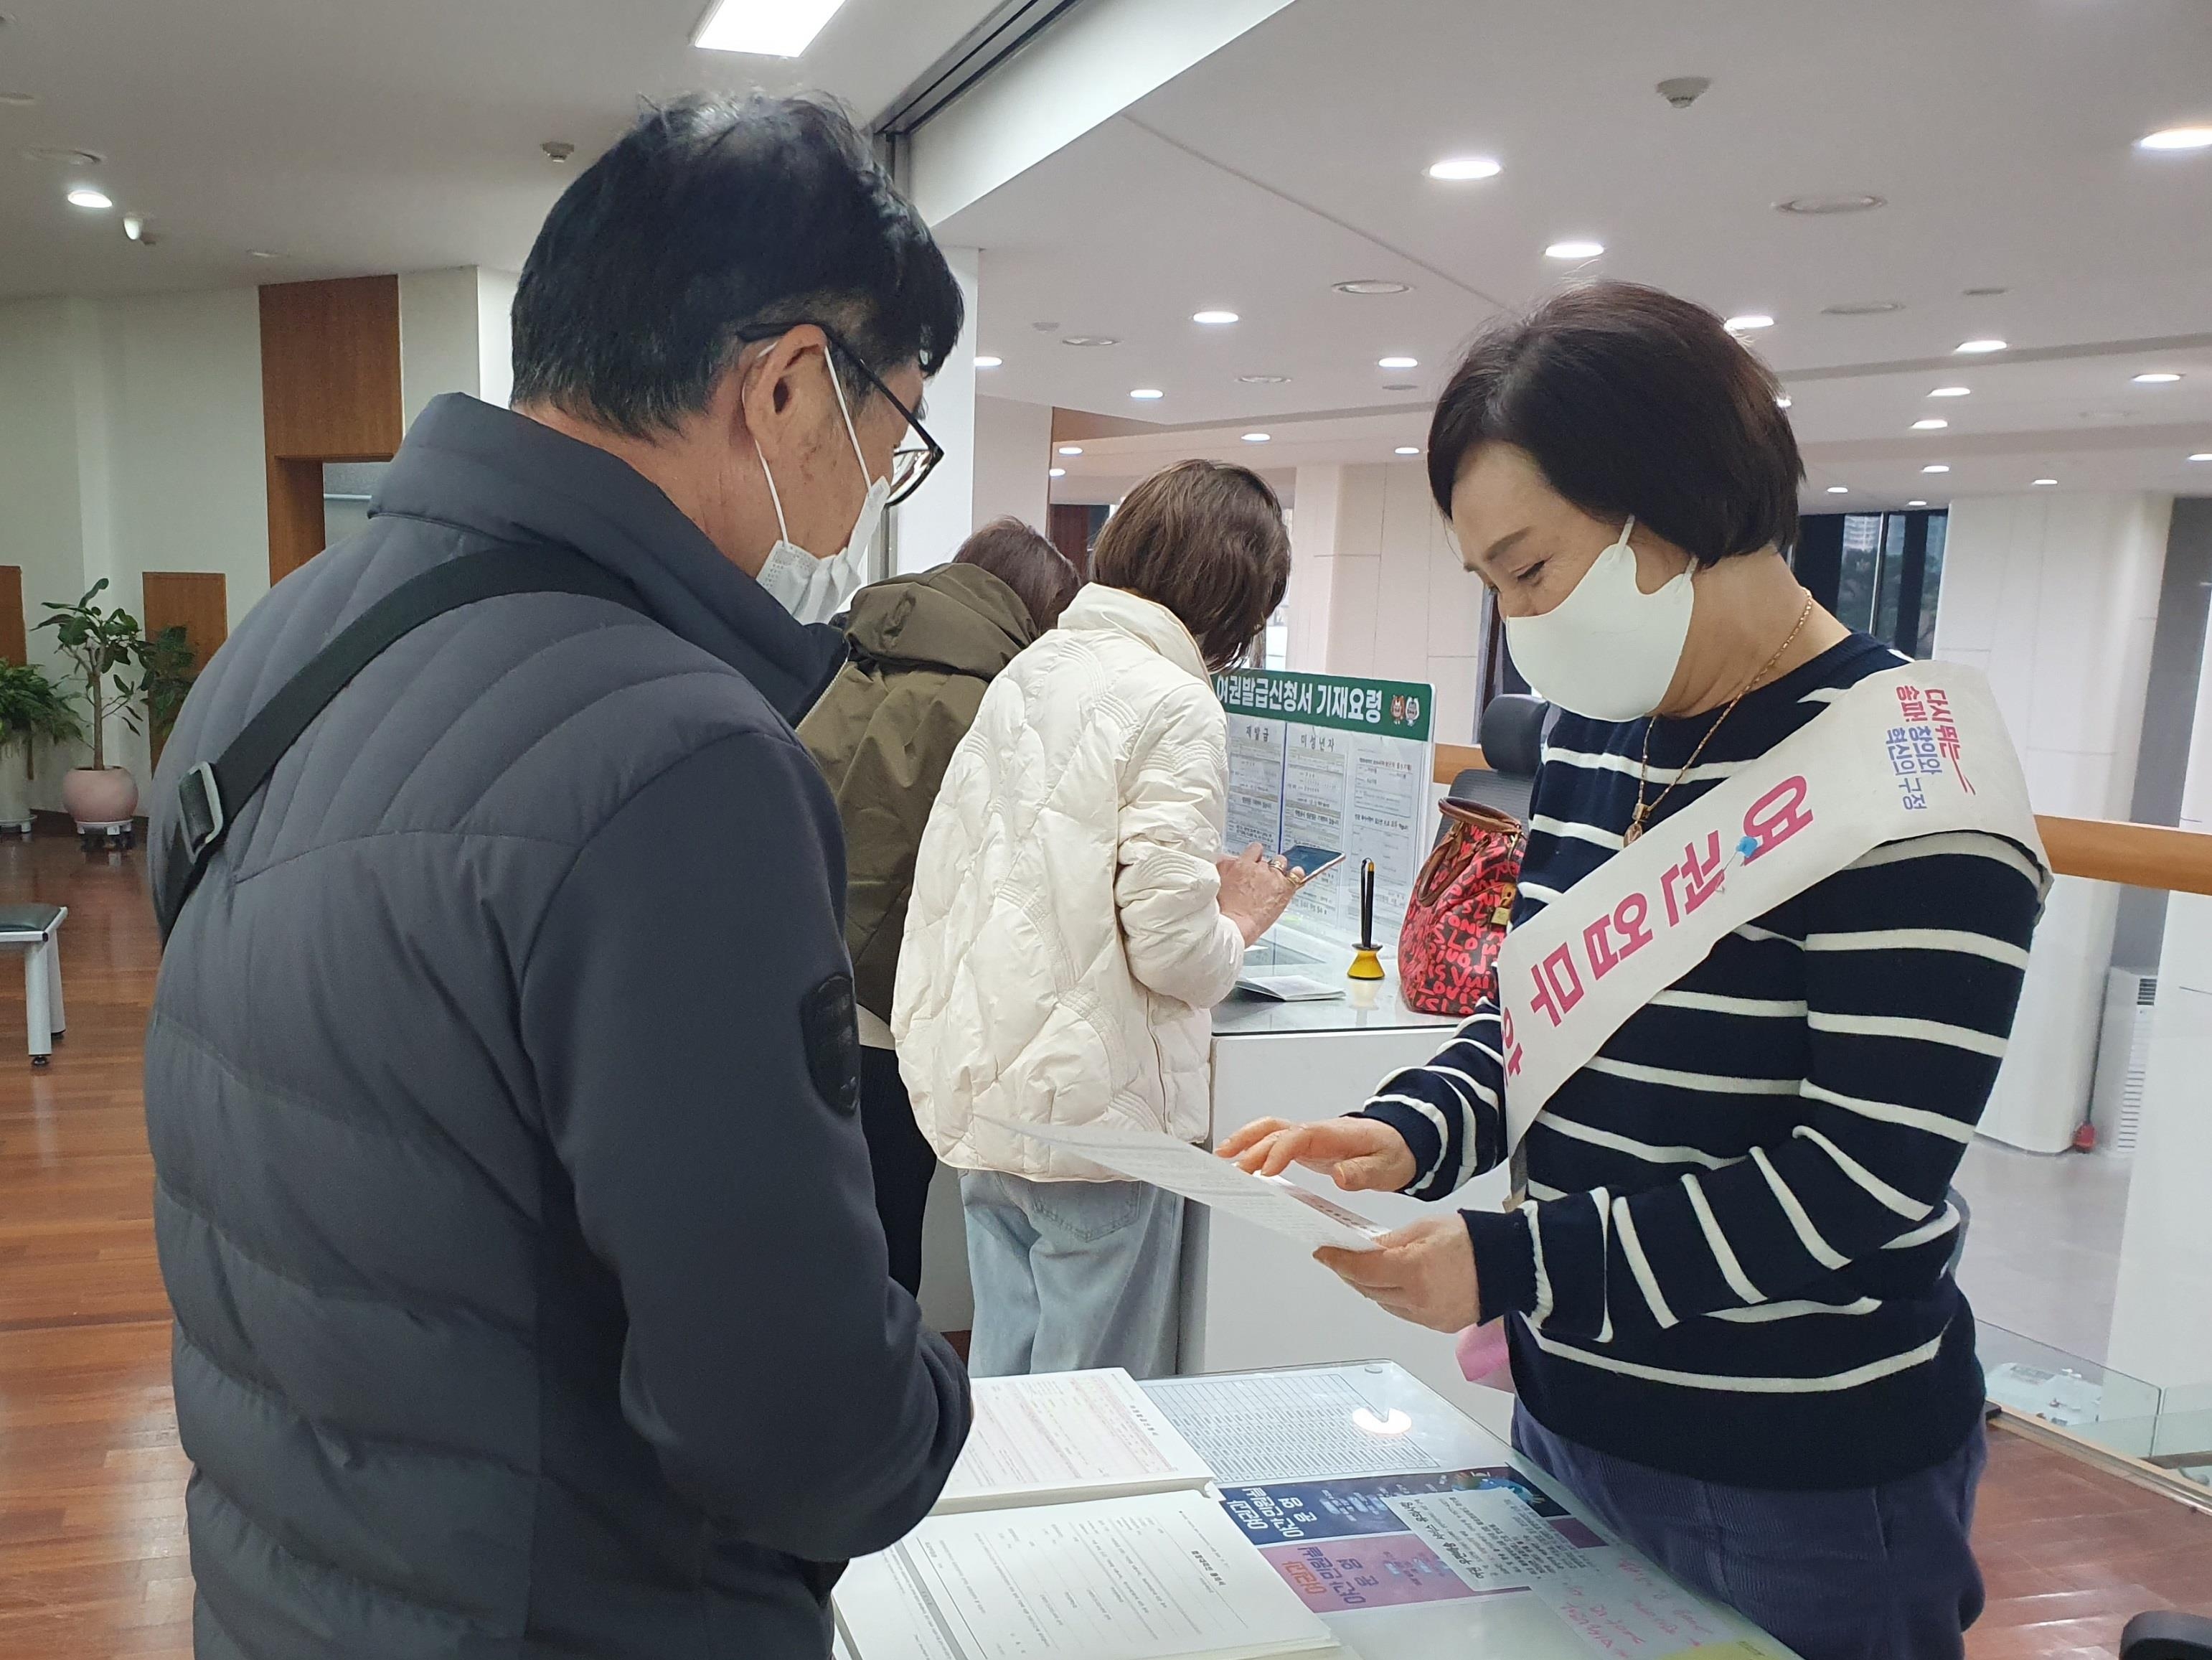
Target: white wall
x,y
2160,1332
2055,597
454,336
1013,459
495,336
1381,594
130,441
930,528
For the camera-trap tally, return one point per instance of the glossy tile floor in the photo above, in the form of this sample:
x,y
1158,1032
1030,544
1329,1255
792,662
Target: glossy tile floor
x,y
92,1561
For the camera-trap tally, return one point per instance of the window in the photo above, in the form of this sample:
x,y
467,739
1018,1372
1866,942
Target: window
x,y
1879,572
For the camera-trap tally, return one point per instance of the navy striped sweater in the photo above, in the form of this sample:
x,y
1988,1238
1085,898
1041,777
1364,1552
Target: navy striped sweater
x,y
1732,1262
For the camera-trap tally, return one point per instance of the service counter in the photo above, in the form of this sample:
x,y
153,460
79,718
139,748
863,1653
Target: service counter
x,y
1252,1299
1323,1466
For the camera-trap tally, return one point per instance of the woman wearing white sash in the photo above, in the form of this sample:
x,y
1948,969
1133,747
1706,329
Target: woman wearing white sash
x,y
1738,1062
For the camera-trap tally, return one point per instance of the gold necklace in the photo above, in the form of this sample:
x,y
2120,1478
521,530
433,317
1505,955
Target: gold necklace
x,y
1641,820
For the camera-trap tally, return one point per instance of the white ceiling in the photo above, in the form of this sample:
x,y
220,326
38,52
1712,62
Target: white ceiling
x,y
1999,131
372,136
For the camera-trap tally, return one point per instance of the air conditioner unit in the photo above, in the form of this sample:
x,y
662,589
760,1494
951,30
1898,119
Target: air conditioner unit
x,y
2116,1097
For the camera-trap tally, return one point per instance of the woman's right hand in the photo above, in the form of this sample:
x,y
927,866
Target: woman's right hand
x,y
1256,890
1356,1153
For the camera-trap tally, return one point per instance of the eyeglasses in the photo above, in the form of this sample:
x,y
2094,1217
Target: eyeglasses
x,y
911,462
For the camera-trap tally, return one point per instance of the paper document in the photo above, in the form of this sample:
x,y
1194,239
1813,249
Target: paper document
x,y
1165,1576
1280,1206
1289,988
1064,1436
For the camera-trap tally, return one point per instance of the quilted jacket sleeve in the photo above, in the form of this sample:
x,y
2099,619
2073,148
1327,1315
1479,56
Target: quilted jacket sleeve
x,y
1174,792
697,1076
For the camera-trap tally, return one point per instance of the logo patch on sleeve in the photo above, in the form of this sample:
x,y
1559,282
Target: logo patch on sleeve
x,y
832,1034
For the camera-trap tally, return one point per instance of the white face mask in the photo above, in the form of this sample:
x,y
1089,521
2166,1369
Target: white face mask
x,y
815,590
1608,650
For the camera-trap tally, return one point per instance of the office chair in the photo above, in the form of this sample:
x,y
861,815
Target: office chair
x,y
2168,1636
1512,738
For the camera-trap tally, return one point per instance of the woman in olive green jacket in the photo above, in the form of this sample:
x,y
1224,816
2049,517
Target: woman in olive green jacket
x,y
923,648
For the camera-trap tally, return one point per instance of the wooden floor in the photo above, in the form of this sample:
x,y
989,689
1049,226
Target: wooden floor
x,y
91,1550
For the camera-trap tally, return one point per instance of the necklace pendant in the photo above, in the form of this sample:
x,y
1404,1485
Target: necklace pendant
x,y
1633,834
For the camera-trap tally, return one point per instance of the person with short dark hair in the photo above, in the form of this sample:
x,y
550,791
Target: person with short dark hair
x,y
924,649
503,1079
1074,923
1725,1272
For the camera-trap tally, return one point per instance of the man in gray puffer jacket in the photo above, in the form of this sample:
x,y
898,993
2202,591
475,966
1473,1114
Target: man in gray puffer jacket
x,y
502,1076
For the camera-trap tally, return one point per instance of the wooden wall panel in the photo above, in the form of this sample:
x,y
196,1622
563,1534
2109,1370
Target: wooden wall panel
x,y
14,644
330,368
330,391
199,601
295,514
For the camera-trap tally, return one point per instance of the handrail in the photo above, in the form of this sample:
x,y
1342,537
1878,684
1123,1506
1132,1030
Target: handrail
x,y
2099,850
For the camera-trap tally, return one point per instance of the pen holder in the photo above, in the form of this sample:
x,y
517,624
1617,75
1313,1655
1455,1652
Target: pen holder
x,y
1365,965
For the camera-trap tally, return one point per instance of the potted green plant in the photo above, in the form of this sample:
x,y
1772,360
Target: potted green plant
x,y
166,664
104,645
32,710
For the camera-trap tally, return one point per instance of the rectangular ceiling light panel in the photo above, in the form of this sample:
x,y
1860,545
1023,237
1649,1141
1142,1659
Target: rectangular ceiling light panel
x,y
766,28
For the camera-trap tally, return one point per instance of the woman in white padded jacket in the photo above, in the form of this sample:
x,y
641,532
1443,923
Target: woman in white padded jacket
x,y
1074,923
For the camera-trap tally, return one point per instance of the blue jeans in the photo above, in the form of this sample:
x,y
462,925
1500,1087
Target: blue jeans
x,y
1866,1573
1071,1275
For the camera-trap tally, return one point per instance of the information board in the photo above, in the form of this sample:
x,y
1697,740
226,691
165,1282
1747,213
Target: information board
x,y
1319,760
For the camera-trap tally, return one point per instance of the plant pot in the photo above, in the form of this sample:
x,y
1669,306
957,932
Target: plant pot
x,y
108,795
15,785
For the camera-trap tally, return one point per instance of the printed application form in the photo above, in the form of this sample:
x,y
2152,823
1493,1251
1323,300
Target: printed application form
x,y
1280,1206
1067,1436
1163,1577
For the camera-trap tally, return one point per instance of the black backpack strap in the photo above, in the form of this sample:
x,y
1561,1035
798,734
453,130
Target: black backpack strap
x,y
211,795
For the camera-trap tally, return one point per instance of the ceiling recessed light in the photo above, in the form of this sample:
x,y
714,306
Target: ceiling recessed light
x,y
1263,379
1951,392
1258,437
2043,481
1057,472
1974,347
1091,340
766,28
85,197
19,100
1748,321
1574,250
559,150
1843,203
2176,138
1783,402
1984,293
1840,489
1930,423
1146,394
1415,449
259,254
1397,363
1042,327
1862,307
988,362
1457,168
1070,449
134,227
1400,385
1213,318
1366,287
2157,377
1936,466
1916,503
2202,455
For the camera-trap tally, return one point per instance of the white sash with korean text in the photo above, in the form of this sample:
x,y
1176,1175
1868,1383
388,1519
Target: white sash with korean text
x,y
1914,752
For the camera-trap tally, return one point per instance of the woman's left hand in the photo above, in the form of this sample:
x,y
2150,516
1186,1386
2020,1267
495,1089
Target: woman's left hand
x,y
1424,1274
